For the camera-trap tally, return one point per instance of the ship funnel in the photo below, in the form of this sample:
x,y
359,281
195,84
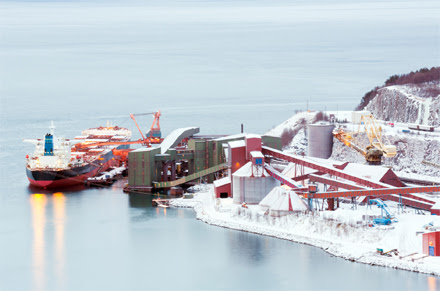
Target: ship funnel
x,y
48,145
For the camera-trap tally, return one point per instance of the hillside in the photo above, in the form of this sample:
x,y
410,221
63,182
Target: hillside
x,y
406,103
412,150
410,98
293,131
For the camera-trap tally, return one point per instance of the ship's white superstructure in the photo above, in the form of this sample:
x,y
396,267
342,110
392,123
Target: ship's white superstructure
x,y
57,161
61,157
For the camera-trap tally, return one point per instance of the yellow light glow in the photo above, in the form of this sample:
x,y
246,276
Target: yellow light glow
x,y
59,214
432,283
38,206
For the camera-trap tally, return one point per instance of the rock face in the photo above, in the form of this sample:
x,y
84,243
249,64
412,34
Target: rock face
x,y
407,103
412,149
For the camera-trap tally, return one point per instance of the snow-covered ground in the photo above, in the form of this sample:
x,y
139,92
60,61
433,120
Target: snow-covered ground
x,y
342,233
293,122
413,147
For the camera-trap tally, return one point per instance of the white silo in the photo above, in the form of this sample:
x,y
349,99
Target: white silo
x,y
251,185
320,140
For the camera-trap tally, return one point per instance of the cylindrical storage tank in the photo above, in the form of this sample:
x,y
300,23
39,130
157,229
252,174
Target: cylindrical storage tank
x,y
320,140
250,189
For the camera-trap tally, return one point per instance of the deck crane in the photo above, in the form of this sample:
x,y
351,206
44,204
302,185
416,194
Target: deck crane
x,y
153,136
376,149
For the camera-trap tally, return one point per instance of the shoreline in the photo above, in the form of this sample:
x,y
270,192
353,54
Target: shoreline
x,y
237,218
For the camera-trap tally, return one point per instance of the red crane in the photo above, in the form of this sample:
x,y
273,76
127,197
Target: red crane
x,y
154,135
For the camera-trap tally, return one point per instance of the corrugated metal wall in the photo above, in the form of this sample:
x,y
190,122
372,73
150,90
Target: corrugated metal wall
x,y
252,190
141,167
272,141
320,140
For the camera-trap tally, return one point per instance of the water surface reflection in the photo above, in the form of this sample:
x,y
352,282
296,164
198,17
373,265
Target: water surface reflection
x,y
59,213
38,204
432,283
48,217
247,246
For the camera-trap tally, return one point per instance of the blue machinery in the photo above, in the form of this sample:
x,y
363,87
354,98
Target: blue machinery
x,y
48,145
387,218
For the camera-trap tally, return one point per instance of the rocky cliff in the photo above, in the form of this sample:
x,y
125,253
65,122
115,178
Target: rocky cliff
x,y
412,150
407,103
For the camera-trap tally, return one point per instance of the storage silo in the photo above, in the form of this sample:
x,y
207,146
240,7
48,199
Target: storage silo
x,y
251,185
320,140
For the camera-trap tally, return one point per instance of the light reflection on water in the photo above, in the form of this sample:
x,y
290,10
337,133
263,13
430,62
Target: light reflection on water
x,y
432,283
38,203
185,243
59,209
41,245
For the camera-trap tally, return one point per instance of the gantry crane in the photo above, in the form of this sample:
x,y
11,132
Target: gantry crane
x,y
376,149
153,136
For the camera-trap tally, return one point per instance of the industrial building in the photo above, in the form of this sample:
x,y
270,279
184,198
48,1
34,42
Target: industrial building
x,y
247,167
184,156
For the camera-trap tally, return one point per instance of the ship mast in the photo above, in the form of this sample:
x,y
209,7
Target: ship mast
x,y
52,127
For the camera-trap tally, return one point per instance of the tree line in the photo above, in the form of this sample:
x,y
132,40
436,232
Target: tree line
x,y
419,77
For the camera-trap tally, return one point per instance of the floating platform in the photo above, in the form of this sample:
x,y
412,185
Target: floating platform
x,y
106,178
164,203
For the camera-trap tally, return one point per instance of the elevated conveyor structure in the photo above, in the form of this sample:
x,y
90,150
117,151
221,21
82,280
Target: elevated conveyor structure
x,y
385,191
270,152
283,179
334,182
190,177
388,194
176,136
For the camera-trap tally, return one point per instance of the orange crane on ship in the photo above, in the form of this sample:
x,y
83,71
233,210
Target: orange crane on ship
x,y
376,149
153,136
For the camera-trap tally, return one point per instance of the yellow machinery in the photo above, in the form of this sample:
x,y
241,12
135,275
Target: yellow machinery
x,y
376,149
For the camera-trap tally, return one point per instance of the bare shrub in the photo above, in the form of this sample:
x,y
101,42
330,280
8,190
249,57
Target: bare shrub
x,y
287,136
321,116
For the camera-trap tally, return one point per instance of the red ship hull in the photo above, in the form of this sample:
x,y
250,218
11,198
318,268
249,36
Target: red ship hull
x,y
54,179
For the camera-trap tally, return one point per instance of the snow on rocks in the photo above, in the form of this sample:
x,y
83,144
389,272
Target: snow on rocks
x,y
301,118
406,103
341,233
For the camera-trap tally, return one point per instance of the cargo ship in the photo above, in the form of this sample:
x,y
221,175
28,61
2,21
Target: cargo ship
x,y
59,162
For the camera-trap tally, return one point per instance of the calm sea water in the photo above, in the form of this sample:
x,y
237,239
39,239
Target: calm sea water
x,y
213,64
